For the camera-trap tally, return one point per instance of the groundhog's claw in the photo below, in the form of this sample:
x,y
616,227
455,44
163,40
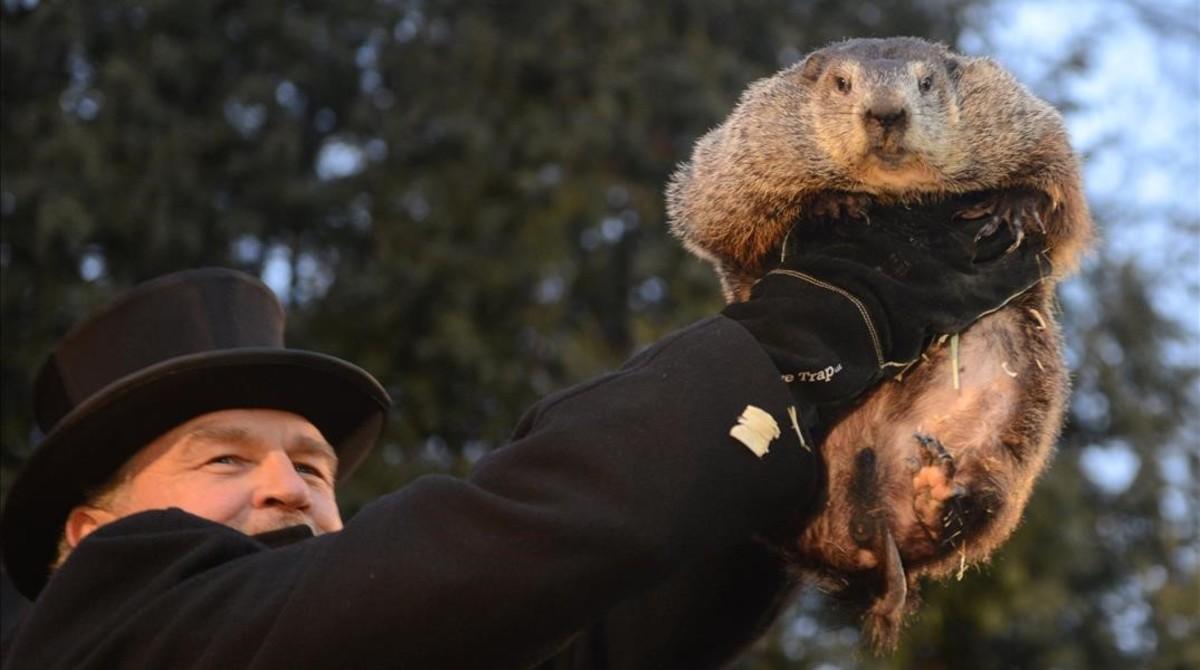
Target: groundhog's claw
x,y
935,452
840,206
1016,209
933,484
1014,226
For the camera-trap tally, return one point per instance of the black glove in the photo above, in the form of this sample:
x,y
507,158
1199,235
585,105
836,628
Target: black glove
x,y
852,302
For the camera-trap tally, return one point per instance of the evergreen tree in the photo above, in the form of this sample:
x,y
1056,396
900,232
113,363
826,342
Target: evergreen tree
x,y
466,199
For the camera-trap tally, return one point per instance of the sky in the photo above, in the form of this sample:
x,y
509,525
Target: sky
x,y
1134,116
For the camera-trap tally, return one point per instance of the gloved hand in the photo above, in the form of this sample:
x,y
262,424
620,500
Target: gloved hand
x,y
853,302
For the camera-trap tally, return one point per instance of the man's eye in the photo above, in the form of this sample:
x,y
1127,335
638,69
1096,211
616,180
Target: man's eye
x,y
226,459
306,469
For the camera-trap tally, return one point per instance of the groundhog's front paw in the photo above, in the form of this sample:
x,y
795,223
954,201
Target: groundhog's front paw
x,y
1016,209
840,206
735,283
935,491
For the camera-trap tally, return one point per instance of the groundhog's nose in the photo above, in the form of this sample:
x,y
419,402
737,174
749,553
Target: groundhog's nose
x,y
887,116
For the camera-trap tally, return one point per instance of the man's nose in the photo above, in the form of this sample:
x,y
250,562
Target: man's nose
x,y
280,485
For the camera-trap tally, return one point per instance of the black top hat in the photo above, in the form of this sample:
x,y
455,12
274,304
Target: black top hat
x,y
168,351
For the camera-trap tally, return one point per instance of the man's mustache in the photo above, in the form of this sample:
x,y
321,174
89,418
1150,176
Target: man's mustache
x,y
279,521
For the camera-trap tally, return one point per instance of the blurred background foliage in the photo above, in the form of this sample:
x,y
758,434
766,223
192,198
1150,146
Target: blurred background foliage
x,y
466,199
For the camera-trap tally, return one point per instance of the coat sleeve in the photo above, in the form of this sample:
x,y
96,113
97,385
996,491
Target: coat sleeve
x,y
703,616
607,490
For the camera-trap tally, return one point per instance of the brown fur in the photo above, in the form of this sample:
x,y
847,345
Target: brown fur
x,y
799,145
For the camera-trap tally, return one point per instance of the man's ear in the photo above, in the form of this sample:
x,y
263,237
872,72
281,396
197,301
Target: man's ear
x,y
83,520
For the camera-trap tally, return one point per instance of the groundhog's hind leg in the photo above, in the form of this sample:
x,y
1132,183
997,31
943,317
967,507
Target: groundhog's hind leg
x,y
937,497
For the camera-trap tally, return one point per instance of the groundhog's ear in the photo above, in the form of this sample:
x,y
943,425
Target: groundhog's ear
x,y
813,66
954,66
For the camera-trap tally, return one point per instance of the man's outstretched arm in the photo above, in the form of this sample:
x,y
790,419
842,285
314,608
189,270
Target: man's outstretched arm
x,y
607,489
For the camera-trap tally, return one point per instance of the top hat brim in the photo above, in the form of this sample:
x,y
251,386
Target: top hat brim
x,y
98,436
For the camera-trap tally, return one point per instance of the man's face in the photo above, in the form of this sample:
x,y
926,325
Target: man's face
x,y
255,470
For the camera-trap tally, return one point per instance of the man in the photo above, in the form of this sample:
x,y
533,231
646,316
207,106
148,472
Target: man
x,y
180,512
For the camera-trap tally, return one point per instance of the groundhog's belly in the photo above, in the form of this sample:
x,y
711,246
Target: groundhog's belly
x,y
946,506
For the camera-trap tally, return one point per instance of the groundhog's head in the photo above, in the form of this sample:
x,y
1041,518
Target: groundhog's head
x,y
885,112
890,121
869,116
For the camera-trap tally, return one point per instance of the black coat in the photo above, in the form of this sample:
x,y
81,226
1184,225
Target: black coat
x,y
614,531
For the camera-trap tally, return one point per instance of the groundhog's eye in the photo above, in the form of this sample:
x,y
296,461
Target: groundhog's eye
x,y
925,84
843,84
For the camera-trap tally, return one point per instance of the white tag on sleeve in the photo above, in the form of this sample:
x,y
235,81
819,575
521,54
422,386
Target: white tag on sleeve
x,y
755,429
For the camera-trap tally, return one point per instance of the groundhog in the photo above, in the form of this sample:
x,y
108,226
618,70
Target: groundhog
x,y
931,471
